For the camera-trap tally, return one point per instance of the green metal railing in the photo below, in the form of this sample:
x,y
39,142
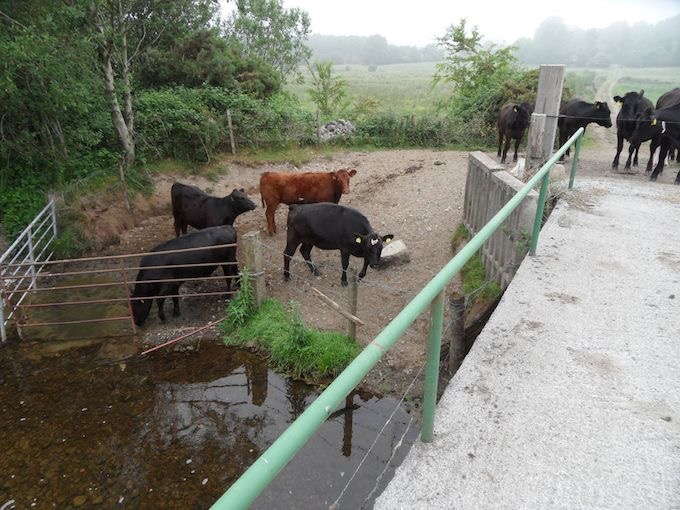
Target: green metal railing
x,y
244,491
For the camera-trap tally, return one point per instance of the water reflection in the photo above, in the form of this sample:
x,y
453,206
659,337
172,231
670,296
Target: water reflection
x,y
82,427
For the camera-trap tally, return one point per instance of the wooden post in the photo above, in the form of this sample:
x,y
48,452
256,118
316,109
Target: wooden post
x,y
352,301
231,132
318,127
457,334
548,97
253,264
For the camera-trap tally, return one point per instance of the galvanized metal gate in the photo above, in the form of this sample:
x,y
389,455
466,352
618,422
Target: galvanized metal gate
x,y
22,261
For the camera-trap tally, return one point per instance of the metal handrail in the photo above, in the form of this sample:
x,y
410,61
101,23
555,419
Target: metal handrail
x,y
244,491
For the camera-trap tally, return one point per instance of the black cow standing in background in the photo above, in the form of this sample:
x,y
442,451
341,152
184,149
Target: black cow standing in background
x,y
332,227
513,121
670,98
192,206
146,288
576,114
664,123
632,105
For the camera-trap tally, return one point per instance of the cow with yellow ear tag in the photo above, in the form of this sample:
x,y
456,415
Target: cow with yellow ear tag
x,y
330,226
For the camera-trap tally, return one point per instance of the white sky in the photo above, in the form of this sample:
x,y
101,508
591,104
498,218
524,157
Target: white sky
x,y
418,22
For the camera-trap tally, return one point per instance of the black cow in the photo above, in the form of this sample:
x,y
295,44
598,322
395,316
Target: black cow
x,y
192,206
513,121
632,104
332,227
664,123
576,113
213,236
670,98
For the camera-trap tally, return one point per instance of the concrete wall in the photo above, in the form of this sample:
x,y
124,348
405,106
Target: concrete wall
x,y
487,189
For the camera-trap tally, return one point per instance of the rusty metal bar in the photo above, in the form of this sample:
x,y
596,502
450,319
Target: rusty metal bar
x,y
119,283
170,342
128,256
134,268
61,323
119,300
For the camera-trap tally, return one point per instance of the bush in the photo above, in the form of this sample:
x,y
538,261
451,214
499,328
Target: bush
x,y
387,130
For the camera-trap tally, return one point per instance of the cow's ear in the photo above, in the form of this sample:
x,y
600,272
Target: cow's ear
x,y
242,190
352,172
642,92
618,99
653,121
358,238
388,238
598,105
514,108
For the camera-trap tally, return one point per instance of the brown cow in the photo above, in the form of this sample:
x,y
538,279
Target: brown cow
x,y
301,188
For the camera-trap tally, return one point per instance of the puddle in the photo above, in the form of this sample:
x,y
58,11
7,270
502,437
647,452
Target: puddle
x,y
94,426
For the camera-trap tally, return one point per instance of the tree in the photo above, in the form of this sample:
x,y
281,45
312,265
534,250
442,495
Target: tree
x,y
272,33
125,29
328,92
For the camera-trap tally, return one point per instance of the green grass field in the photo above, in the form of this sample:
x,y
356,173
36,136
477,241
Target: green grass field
x,y
397,88
654,81
407,88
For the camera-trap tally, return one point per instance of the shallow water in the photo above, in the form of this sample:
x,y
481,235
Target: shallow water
x,y
91,424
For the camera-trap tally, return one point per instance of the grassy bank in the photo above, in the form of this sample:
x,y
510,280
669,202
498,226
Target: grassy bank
x,y
292,347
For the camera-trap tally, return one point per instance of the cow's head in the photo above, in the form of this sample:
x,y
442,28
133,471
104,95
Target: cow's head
x,y
341,178
629,104
524,112
645,127
141,308
241,201
601,114
372,245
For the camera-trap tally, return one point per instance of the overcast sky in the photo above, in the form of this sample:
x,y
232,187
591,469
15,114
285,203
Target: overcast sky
x,y
418,22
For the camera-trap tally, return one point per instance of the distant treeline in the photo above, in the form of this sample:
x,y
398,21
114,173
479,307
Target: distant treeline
x,y
640,45
372,50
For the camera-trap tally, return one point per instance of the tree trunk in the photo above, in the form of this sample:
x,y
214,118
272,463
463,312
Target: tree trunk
x,y
124,134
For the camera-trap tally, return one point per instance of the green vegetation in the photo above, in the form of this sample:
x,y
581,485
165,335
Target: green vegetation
x,y
474,280
654,81
460,236
293,348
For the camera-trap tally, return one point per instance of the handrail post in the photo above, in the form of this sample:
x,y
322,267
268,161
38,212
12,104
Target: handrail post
x,y
434,343
574,161
540,207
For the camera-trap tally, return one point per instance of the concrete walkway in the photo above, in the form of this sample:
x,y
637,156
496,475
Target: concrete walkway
x,y
570,398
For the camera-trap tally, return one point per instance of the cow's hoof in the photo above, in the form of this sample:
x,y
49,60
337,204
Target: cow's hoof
x,y
344,283
652,178
175,313
286,277
615,166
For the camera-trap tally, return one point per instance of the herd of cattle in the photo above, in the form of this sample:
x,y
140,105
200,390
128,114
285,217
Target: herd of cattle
x,y
315,219
638,121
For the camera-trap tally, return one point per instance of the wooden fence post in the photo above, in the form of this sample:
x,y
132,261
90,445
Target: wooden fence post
x,y
457,334
548,97
231,132
352,301
253,264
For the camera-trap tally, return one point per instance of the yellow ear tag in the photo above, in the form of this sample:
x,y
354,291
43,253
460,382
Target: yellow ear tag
x,y
358,240
388,240
619,103
653,122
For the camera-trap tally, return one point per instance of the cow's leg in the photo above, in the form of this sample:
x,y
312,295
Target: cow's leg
x,y
175,306
500,142
344,257
631,150
677,178
652,149
619,148
506,147
271,226
637,151
563,138
659,166
229,271
363,269
178,226
517,140
291,246
306,251
161,314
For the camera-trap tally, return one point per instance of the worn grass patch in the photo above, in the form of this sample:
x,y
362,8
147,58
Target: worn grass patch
x,y
293,348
